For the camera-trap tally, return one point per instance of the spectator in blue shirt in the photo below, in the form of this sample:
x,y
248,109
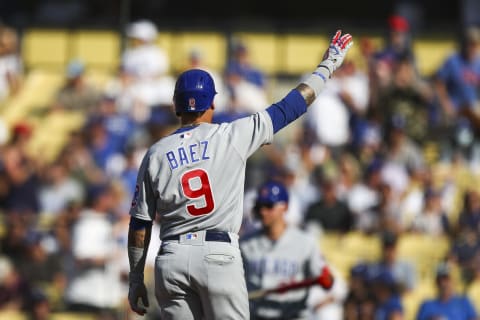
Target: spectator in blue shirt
x,y
388,303
240,66
458,80
447,305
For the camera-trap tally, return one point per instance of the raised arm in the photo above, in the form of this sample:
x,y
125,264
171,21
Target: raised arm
x,y
332,60
296,102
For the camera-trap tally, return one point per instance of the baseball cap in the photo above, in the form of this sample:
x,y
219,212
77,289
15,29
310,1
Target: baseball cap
x,y
442,270
75,68
143,30
271,192
383,277
398,23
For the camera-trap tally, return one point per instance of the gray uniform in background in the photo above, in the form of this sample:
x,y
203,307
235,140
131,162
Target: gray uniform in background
x,y
269,264
194,179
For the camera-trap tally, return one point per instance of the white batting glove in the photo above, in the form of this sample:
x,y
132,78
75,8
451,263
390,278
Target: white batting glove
x,y
136,291
333,57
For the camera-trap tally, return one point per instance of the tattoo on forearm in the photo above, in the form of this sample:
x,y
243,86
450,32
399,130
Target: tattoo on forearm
x,y
307,93
136,238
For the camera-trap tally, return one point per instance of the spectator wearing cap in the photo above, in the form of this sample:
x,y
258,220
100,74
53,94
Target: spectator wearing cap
x,y
388,303
145,82
360,302
144,59
458,79
95,284
398,46
77,93
447,304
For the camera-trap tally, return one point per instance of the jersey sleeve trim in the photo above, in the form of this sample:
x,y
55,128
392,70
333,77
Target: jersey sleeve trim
x,y
287,110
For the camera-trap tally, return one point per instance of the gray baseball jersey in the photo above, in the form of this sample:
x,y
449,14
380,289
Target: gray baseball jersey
x,y
194,178
269,264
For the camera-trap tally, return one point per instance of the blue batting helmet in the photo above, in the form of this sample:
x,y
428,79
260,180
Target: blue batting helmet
x,y
271,192
194,91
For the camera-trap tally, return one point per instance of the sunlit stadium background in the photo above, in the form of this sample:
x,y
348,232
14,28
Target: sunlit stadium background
x,y
54,159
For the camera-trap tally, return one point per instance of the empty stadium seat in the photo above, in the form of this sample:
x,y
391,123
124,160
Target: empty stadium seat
x,y
165,41
263,50
45,48
12,315
425,252
301,53
38,91
97,49
473,293
72,316
211,45
430,54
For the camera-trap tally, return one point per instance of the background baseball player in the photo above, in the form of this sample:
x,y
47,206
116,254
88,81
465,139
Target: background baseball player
x,y
194,179
278,254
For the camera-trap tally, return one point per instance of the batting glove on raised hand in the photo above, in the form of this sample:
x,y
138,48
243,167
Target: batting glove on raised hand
x,y
136,291
333,57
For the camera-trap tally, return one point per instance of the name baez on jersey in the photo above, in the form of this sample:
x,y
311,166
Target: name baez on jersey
x,y
189,154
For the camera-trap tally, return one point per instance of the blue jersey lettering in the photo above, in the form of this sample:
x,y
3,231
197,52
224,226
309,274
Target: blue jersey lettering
x,y
204,154
193,153
171,159
182,156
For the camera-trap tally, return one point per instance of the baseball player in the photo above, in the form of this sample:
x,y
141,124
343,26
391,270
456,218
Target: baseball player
x,y
278,254
194,179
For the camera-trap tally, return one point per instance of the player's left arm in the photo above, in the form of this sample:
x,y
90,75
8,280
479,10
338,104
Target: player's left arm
x,y
296,102
142,214
139,234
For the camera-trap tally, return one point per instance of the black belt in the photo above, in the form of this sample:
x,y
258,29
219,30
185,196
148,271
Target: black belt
x,y
210,235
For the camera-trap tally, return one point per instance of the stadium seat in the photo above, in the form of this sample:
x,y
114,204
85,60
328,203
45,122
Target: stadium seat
x,y
38,91
411,300
430,54
212,47
72,316
45,49
165,41
301,53
53,132
263,49
97,49
12,315
364,247
473,293
425,252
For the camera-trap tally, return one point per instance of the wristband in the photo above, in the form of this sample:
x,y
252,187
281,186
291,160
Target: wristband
x,y
136,258
317,79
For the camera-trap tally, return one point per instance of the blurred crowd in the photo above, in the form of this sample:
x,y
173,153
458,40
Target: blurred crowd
x,y
383,151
